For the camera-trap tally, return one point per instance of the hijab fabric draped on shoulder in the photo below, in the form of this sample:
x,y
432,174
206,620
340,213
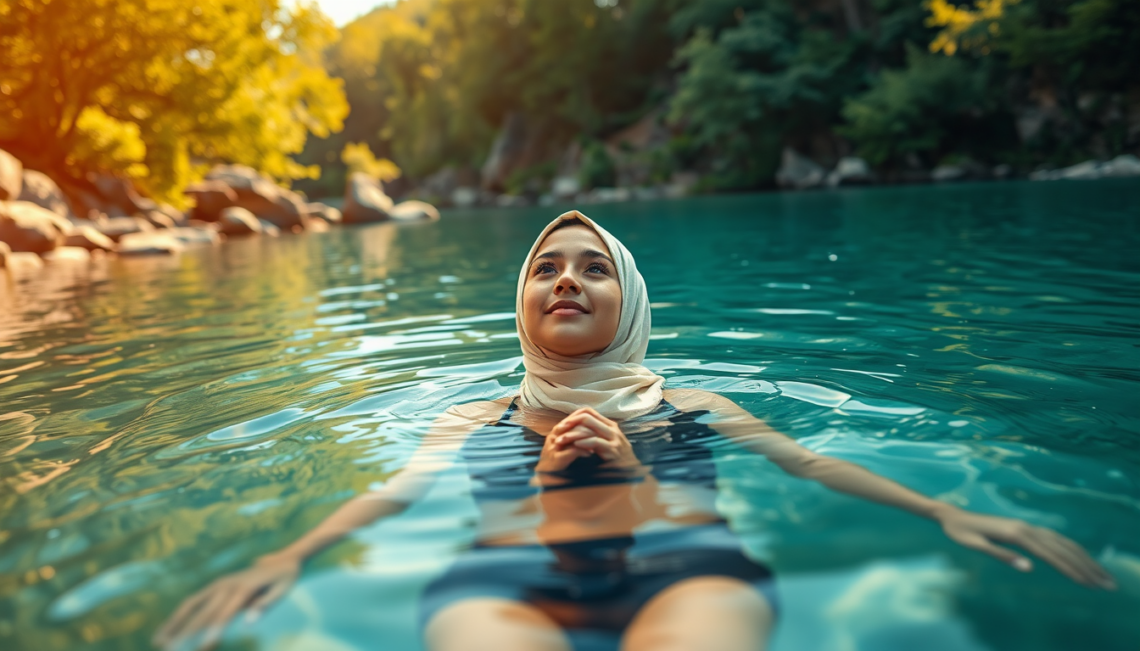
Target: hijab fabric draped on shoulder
x,y
612,381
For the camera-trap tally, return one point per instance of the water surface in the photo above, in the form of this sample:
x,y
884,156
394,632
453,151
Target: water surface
x,y
165,421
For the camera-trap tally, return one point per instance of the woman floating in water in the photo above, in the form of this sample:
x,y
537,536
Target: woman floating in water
x,y
597,489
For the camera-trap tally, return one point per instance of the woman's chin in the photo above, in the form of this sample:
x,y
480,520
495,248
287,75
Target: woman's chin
x,y
568,347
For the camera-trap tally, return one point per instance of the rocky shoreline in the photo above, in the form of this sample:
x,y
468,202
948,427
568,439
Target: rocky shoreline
x,y
43,221
796,172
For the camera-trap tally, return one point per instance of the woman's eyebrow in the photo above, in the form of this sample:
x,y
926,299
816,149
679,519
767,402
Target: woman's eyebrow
x,y
588,253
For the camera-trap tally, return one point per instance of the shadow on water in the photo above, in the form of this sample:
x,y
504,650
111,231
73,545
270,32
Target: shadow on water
x,y
165,421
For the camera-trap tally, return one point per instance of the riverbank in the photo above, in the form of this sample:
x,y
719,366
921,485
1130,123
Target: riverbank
x,y
101,215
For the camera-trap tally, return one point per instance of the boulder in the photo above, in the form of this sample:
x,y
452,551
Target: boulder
x,y
239,222
316,225
944,173
261,196
149,243
88,238
67,255
209,226
158,219
193,235
86,205
365,201
177,217
41,190
270,229
27,227
465,197
210,199
11,176
1122,165
651,193
324,212
413,210
440,184
118,227
565,187
851,170
1089,169
681,184
609,195
512,201
963,170
798,171
118,192
21,262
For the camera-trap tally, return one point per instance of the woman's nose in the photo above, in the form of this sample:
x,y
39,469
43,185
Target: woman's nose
x,y
567,282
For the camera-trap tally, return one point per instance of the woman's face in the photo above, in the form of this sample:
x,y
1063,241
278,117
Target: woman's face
x,y
572,265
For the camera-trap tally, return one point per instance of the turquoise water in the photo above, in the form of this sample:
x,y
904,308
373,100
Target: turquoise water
x,y
165,421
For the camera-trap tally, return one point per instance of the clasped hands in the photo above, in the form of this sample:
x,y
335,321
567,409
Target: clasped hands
x,y
584,433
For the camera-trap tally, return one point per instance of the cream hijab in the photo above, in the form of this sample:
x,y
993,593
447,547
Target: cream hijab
x,y
612,381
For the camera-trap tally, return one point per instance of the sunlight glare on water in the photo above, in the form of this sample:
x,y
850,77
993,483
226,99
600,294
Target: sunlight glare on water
x,y
165,421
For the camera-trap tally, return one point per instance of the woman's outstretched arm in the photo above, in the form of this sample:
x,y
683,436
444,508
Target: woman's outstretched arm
x,y
271,575
980,532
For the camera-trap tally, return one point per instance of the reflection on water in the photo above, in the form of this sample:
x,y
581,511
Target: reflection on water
x,y
164,421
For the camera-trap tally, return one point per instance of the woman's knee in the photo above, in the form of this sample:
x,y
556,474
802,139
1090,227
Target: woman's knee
x,y
707,613
491,624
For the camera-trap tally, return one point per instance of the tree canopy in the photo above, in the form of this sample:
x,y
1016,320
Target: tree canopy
x,y
899,82
159,89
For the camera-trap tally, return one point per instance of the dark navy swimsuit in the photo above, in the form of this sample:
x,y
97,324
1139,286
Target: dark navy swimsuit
x,y
594,588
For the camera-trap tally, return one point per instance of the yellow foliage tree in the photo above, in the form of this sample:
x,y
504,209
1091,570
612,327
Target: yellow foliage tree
x,y
358,157
160,89
963,27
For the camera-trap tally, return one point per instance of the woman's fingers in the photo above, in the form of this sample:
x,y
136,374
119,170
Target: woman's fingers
x,y
196,620
576,434
1074,563
223,616
209,616
593,412
1096,569
1063,554
605,449
176,622
265,600
585,419
1007,556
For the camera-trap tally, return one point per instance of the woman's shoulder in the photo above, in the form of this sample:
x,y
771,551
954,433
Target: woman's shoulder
x,y
697,400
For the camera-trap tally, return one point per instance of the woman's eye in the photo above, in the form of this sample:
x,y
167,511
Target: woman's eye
x,y
597,265
543,266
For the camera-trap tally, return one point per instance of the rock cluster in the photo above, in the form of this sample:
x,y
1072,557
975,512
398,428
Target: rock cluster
x,y
40,220
1123,165
365,202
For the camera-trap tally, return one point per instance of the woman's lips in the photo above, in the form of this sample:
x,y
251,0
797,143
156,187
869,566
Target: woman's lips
x,y
567,311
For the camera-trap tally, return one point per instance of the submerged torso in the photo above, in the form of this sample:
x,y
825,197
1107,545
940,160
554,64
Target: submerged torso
x,y
673,485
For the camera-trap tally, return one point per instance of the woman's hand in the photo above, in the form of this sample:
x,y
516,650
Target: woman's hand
x,y
587,430
981,531
212,607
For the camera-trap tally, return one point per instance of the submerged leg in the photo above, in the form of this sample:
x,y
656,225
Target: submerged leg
x,y
705,613
491,624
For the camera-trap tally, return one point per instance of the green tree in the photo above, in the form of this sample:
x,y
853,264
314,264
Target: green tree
x,y
760,79
928,108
